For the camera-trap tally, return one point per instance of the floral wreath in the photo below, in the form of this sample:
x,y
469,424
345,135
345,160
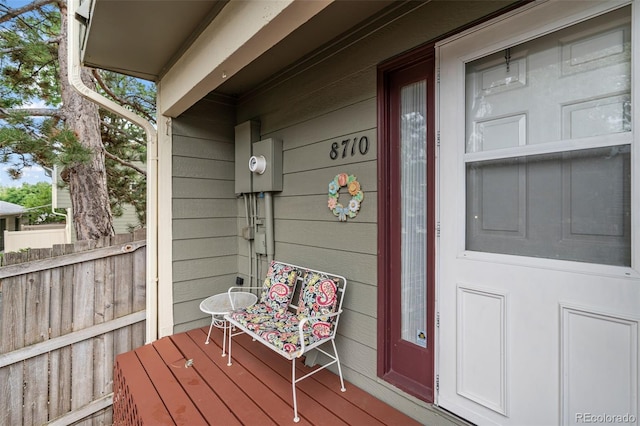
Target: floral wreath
x,y
357,196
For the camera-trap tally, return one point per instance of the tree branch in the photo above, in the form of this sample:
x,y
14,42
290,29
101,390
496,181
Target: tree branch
x,y
37,4
118,99
32,112
8,51
11,50
125,163
118,130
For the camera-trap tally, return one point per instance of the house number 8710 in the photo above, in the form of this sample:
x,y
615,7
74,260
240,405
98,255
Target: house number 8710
x,y
362,142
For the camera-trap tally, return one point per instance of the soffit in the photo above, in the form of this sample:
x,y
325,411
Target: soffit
x,y
144,38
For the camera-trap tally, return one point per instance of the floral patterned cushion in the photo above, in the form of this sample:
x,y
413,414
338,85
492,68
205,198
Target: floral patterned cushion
x,y
269,319
277,287
319,296
280,328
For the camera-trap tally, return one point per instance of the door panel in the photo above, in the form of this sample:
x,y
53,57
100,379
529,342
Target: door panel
x,y
580,328
538,286
482,326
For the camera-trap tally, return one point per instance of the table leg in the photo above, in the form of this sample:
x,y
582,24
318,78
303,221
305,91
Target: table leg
x,y
210,327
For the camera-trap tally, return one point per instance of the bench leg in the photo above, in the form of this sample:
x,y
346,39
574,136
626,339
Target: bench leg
x,y
224,338
335,351
229,335
293,385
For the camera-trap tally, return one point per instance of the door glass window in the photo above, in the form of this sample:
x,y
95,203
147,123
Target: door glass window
x,y
548,135
413,188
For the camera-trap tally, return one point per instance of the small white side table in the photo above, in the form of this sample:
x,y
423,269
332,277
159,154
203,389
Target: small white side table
x,y
221,304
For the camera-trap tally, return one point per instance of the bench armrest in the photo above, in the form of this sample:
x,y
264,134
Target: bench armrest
x,y
242,288
312,320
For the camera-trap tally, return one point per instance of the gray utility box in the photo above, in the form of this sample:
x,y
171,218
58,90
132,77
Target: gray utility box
x,y
271,178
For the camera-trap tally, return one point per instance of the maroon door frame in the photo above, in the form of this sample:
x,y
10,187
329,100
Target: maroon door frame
x,y
407,366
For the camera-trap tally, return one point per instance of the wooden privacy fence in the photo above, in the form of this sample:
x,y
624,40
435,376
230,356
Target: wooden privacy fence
x,y
65,313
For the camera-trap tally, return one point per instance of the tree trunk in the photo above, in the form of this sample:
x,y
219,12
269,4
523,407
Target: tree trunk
x,y
87,182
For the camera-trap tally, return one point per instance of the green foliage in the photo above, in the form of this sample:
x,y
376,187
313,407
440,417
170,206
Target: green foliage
x,y
34,197
124,141
32,125
29,63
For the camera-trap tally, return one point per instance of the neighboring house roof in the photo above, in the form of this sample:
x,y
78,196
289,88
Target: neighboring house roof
x,y
10,209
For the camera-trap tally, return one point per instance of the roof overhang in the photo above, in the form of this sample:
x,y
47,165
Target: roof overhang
x,y
191,48
10,209
141,38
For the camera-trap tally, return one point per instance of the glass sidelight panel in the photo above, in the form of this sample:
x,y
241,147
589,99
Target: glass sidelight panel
x,y
413,161
406,225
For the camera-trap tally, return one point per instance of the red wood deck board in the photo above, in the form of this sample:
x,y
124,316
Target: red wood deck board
x,y
308,408
233,395
197,389
382,412
261,390
255,390
177,402
335,402
245,363
149,403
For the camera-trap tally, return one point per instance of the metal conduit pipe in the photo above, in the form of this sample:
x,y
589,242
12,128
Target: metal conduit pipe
x,y
269,222
73,57
254,224
249,241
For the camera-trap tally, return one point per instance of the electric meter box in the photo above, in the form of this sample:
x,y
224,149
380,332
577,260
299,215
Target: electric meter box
x,y
271,178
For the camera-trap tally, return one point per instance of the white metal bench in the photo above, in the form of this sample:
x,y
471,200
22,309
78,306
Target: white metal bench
x,y
293,327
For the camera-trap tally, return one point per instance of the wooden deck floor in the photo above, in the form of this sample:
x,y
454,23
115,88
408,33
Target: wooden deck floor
x,y
163,387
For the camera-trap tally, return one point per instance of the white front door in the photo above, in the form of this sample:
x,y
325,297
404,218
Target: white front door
x,y
539,204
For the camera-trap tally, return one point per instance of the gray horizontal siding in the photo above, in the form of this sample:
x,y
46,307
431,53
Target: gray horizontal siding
x,y
339,236
202,168
329,98
204,227
354,266
195,147
191,269
205,246
317,181
306,206
192,208
306,231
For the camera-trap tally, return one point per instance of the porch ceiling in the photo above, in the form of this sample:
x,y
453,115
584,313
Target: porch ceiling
x,y
144,38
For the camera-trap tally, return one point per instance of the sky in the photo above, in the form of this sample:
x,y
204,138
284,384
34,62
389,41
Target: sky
x,y
17,3
30,175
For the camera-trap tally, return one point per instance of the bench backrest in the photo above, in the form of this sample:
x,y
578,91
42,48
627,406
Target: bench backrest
x,y
279,285
304,291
